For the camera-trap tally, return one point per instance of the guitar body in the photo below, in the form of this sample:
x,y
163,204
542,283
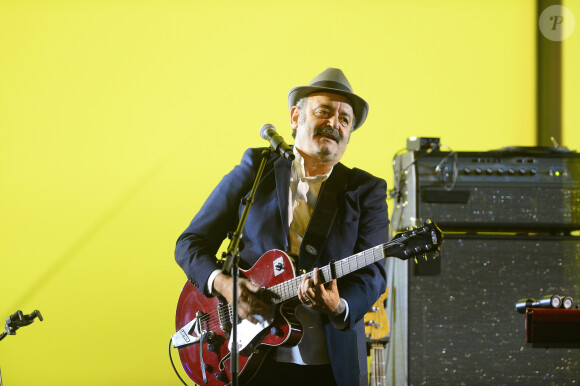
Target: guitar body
x,y
274,267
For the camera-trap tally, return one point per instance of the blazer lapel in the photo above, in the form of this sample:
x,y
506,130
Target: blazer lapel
x,y
282,173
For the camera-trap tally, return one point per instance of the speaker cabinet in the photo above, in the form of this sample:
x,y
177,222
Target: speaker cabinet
x,y
463,327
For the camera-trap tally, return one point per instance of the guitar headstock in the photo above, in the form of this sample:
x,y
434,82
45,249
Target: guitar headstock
x,y
416,242
376,322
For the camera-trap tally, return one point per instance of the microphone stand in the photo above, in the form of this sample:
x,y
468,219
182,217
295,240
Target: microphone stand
x,y
231,266
15,321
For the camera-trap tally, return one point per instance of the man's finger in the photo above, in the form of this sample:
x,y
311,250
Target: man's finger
x,y
318,277
251,286
315,277
332,286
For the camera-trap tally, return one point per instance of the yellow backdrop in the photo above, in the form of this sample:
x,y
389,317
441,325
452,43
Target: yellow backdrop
x,y
118,117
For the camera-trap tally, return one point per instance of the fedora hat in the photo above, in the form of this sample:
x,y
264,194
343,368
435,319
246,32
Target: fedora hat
x,y
332,80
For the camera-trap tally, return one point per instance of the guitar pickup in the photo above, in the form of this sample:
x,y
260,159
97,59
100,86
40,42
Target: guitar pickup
x,y
183,337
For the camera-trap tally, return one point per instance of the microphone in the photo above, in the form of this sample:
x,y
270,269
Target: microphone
x,y
269,133
550,301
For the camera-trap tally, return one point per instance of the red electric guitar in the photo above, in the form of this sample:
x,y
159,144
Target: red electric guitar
x,y
203,324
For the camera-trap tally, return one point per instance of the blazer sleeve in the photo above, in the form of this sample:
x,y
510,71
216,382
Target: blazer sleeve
x,y
197,246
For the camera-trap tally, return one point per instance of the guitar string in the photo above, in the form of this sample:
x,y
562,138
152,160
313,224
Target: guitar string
x,y
289,288
283,290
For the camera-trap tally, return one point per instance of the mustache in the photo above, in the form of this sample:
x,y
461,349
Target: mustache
x,y
328,131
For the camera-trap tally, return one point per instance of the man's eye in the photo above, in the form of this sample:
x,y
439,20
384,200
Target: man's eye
x,y
322,112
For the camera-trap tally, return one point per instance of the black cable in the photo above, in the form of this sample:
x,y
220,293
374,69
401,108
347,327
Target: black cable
x,y
454,169
399,182
174,369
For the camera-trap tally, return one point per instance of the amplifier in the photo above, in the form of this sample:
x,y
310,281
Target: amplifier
x,y
507,190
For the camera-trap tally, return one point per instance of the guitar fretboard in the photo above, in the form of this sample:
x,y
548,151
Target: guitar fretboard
x,y
403,246
287,290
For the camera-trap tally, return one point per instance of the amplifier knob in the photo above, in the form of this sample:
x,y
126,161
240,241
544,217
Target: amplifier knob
x,y
533,172
500,171
489,171
523,171
511,171
467,171
478,171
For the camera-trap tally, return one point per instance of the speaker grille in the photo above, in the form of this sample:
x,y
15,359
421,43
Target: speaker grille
x,y
463,327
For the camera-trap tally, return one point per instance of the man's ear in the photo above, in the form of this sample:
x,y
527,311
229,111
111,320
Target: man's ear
x,y
294,115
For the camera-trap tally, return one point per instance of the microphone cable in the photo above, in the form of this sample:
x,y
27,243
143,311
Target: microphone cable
x,y
173,365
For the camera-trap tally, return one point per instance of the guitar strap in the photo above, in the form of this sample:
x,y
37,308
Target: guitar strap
x,y
322,218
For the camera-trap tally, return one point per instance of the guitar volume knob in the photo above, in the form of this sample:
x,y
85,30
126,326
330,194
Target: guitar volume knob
x,y
276,331
221,377
210,336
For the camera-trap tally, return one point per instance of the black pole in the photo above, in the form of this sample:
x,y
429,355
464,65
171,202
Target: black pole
x,y
548,82
230,265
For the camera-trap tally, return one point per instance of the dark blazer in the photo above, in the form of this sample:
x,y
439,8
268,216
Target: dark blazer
x,y
361,223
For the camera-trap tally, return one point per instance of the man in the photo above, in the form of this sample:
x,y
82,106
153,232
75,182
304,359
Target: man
x,y
323,116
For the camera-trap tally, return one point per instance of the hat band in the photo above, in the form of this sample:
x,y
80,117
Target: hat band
x,y
331,84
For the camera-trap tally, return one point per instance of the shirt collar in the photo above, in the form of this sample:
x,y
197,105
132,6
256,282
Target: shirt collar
x,y
298,166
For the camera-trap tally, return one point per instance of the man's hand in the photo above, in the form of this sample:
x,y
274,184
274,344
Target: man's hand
x,y
249,304
315,295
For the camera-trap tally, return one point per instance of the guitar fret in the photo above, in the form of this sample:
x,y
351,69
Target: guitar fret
x,y
326,274
381,253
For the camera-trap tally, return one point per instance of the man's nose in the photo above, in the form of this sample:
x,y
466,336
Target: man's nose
x,y
334,122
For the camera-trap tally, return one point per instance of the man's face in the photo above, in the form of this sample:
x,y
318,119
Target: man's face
x,y
323,126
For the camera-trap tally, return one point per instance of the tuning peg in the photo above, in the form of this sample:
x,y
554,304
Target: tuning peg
x,y
425,256
428,221
416,262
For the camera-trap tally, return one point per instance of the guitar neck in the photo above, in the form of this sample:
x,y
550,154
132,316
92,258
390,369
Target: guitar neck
x,y
378,366
403,246
335,270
